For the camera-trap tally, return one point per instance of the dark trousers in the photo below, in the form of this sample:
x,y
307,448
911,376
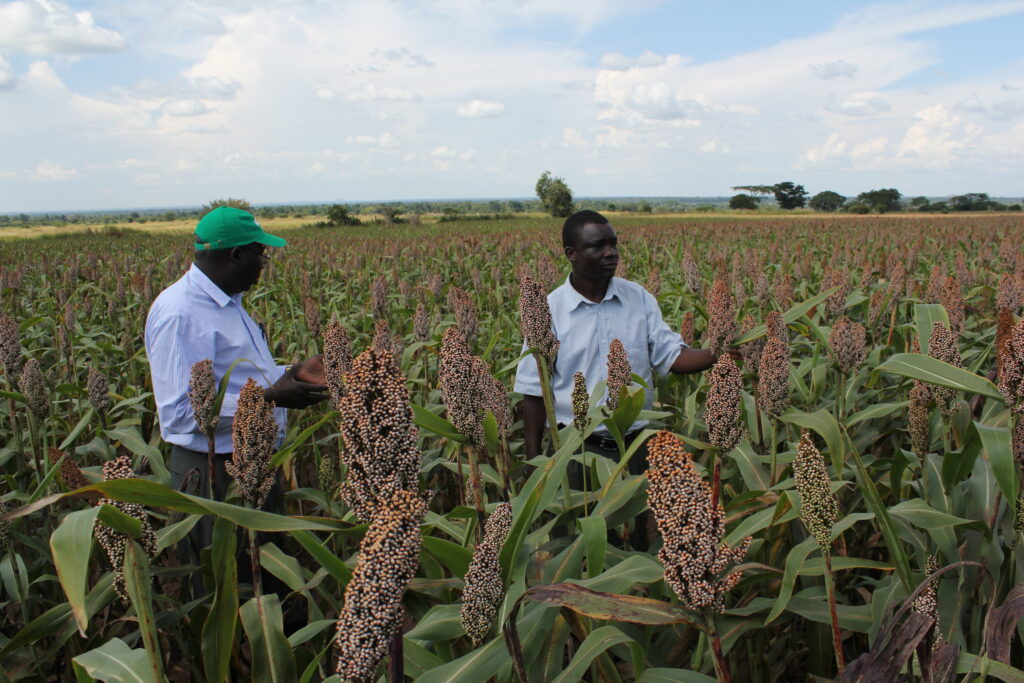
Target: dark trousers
x,y
190,474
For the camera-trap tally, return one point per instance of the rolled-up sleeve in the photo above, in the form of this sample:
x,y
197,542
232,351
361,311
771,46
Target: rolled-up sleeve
x,y
663,343
527,378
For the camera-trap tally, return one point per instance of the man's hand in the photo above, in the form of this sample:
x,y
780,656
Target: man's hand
x,y
291,392
311,370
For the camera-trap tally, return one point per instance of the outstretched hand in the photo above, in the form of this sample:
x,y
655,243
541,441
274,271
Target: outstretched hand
x,y
291,392
311,370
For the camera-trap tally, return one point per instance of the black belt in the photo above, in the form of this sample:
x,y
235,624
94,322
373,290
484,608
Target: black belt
x,y
606,442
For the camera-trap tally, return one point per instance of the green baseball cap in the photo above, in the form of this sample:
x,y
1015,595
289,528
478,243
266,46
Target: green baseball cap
x,y
227,227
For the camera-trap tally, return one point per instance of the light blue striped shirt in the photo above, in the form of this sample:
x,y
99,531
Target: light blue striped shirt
x,y
193,320
585,330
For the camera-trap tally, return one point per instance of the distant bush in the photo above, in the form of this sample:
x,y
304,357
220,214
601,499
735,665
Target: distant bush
x,y
857,207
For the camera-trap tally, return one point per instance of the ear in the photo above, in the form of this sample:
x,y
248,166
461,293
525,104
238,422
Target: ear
x,y
570,253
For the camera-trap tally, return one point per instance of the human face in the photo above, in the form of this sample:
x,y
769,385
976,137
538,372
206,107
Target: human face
x,y
595,255
251,260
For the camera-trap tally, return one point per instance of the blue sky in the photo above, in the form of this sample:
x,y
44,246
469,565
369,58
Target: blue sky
x,y
149,103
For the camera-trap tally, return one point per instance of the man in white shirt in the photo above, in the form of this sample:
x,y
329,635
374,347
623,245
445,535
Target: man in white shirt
x,y
590,309
200,317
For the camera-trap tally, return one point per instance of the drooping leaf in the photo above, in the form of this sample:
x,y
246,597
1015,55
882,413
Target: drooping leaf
x,y
611,607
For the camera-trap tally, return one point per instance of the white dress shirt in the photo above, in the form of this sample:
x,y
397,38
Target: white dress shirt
x,y
585,330
194,320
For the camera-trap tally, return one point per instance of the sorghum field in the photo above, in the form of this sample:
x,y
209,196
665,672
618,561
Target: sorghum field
x,y
842,503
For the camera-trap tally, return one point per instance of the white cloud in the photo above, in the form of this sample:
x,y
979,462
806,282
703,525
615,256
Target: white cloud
x,y
861,104
6,74
620,62
444,153
573,139
837,69
478,109
48,170
368,92
403,56
384,141
326,95
46,27
183,108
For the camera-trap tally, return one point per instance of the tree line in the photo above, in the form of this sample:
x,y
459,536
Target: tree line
x,y
789,195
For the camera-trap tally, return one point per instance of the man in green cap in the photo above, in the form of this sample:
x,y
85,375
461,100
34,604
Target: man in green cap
x,y
201,317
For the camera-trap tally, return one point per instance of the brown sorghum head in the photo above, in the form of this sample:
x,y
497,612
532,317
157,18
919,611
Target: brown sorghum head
x,y
312,310
686,330
723,412
773,377
10,347
620,372
421,323
32,384
784,291
1004,332
1008,293
202,392
944,346
1011,369
721,328
836,277
952,299
926,602
5,528
70,475
918,419
464,310
691,274
936,281
484,589
468,390
751,351
535,318
775,326
98,390
849,344
114,542
380,437
253,438
337,358
379,296
653,284
818,506
372,611
691,525
580,403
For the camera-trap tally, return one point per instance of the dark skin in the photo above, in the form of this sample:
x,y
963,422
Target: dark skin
x,y
594,257
236,270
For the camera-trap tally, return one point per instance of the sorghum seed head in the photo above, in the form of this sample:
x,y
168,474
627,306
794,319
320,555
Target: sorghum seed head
x,y
751,351
653,284
464,310
838,277
773,377
723,412
70,475
535,318
849,344
944,346
98,390
691,525
379,296
388,557
380,438
917,419
337,358
115,542
202,393
484,589
686,330
620,372
312,310
721,318
784,291
580,403
691,274
818,507
253,438
468,390
5,528
10,347
421,323
32,384
1011,366
952,299
936,281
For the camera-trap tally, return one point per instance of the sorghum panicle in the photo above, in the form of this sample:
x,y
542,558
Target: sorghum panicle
x,y
421,323
312,310
691,525
253,438
32,384
818,507
70,475
372,611
620,372
945,347
849,344
721,318
936,281
836,277
468,390
773,377
115,542
952,299
691,274
10,347
484,589
5,528
1011,370
465,314
686,330
918,419
535,319
337,358
580,403
202,393
98,390
751,351
1004,332
926,602
1008,293
784,292
380,437
379,296
653,284
723,411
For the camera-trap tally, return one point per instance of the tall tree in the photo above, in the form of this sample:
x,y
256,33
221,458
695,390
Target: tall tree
x,y
554,195
790,195
827,201
882,201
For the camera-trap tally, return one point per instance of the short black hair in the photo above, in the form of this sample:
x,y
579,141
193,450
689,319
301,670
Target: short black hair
x,y
574,223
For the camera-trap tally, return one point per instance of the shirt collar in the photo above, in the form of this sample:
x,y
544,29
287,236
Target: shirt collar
x,y
574,299
204,283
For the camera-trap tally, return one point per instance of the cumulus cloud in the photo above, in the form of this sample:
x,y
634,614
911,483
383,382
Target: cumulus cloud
x,y
619,62
444,152
478,109
6,74
326,95
864,104
402,56
368,92
50,171
837,69
183,108
46,27
384,141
